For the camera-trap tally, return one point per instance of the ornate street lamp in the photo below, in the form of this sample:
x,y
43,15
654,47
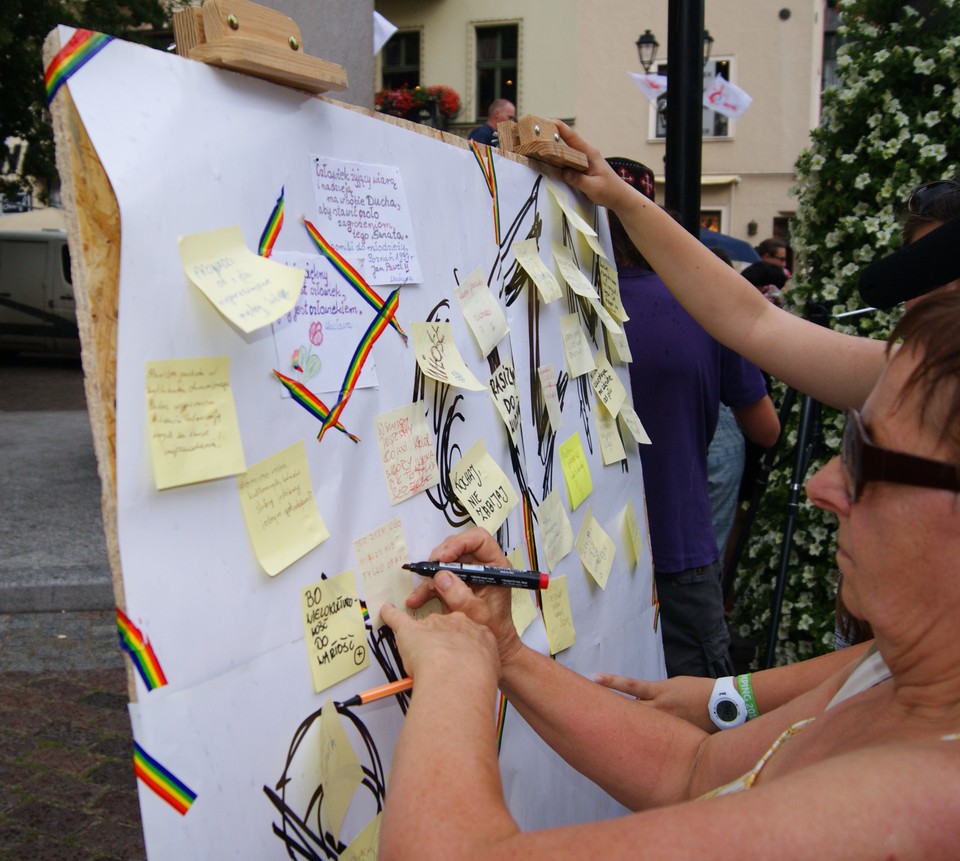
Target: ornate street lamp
x,y
647,46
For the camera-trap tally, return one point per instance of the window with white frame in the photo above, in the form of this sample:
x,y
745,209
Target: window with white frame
x,y
714,125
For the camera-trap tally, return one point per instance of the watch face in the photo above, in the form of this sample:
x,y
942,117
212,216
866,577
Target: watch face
x,y
727,711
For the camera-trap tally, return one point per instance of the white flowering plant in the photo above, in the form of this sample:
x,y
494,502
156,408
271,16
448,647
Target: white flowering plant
x,y
892,122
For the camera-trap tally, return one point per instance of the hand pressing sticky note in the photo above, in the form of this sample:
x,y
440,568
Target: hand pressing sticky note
x,y
192,421
480,309
595,549
557,616
576,348
483,488
340,770
607,386
576,280
334,630
526,254
555,530
438,356
576,470
276,496
249,290
406,452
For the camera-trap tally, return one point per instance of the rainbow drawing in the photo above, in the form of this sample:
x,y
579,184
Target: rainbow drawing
x,y
311,403
529,533
380,322
163,782
484,158
272,229
501,720
82,47
354,278
141,652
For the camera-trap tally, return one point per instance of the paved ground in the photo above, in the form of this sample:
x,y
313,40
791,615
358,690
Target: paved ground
x,y
67,789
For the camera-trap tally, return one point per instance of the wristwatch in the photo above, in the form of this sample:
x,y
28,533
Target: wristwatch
x,y
727,708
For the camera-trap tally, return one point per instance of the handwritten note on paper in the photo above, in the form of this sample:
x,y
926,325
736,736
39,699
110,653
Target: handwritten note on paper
x,y
575,219
406,452
480,309
365,846
576,348
192,421
607,386
523,609
333,630
483,488
506,398
630,418
557,616
316,339
619,347
609,323
363,213
634,540
438,356
576,470
555,530
551,397
595,549
610,291
576,280
380,557
249,290
276,496
340,770
526,254
611,443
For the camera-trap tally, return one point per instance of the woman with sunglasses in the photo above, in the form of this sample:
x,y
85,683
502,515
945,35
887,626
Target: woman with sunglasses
x,y
866,765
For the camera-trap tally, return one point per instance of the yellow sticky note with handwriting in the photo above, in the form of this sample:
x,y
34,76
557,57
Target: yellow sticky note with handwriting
x,y
576,347
574,218
381,555
608,434
483,488
247,289
365,846
438,356
526,254
340,770
607,386
610,291
557,615
596,549
634,540
276,496
556,533
576,280
576,470
192,421
334,630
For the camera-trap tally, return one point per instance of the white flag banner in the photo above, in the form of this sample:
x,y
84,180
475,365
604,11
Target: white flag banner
x,y
726,98
652,86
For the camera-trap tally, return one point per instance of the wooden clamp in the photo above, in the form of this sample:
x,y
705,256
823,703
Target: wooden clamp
x,y
249,38
535,137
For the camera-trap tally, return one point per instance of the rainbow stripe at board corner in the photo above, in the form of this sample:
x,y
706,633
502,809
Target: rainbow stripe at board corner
x,y
272,229
141,652
162,781
82,47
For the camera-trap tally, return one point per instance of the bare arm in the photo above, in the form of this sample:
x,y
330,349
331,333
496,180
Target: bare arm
x,y
802,354
759,422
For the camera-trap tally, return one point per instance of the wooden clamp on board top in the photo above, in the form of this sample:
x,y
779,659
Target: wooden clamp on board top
x,y
537,138
249,38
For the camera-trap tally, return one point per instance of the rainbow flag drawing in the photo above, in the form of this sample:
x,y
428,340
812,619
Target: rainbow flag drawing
x,y
163,782
272,229
82,47
141,652
354,278
311,403
484,158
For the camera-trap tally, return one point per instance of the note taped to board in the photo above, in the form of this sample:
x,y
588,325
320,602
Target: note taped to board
x,y
406,452
438,356
334,630
483,488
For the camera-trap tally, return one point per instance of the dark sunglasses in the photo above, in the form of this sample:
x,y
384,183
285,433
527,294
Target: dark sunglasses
x,y
864,462
924,195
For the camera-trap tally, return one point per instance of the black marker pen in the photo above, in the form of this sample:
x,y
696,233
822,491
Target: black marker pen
x,y
484,575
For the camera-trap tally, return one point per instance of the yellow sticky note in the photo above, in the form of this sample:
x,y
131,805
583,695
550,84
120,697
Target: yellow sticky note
x,y
481,310
276,496
576,470
576,280
630,418
634,540
608,433
548,389
381,555
609,323
610,291
483,488
574,218
334,630
406,452
192,421
526,254
249,290
523,609
506,398
516,559
438,356
595,549
340,771
576,348
619,347
557,616
556,533
366,845
607,386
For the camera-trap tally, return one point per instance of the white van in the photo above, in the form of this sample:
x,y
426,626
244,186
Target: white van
x,y
37,310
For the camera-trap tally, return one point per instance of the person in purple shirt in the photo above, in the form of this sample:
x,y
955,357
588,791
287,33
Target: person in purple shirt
x,y
679,376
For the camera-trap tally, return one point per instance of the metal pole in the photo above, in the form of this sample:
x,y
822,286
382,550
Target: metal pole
x,y
684,110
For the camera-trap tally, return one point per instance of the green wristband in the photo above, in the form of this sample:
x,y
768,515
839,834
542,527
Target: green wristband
x,y
746,691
